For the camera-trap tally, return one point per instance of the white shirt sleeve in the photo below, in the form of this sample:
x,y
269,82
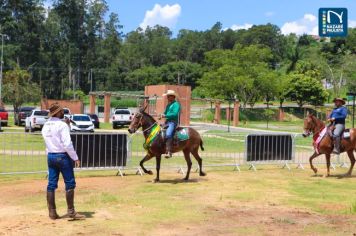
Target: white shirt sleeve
x,y
67,142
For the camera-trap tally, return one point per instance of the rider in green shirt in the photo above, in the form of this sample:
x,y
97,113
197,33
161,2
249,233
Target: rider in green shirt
x,y
172,119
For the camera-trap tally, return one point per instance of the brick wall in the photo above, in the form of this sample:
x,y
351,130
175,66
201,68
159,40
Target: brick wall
x,y
75,106
184,93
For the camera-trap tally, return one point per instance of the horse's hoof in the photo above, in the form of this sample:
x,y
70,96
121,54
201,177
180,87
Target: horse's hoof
x,y
155,181
325,176
315,171
202,174
150,172
186,179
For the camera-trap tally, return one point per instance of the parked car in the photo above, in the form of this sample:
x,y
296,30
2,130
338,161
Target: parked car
x,y
36,120
95,120
21,115
67,113
4,116
81,123
121,117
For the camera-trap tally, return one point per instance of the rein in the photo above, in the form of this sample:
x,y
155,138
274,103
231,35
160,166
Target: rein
x,y
315,134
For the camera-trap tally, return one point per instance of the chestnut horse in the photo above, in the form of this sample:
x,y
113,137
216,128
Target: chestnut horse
x,y
313,125
158,148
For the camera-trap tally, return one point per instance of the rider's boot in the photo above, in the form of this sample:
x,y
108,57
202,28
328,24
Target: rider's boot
x,y
337,142
169,143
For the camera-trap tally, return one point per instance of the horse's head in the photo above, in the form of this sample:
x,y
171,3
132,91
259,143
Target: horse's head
x,y
137,121
309,125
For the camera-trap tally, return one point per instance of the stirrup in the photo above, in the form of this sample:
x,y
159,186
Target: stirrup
x,y
168,155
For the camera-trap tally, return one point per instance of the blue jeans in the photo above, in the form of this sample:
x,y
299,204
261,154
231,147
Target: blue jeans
x,y
60,163
170,130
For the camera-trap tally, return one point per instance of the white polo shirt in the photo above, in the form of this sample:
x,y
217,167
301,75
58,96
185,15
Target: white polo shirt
x,y
56,135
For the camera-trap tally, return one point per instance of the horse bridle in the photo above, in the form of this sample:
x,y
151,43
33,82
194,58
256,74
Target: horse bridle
x,y
314,133
140,122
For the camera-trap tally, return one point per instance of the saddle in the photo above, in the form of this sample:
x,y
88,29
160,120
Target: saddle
x,y
180,133
345,134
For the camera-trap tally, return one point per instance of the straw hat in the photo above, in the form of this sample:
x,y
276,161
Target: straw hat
x,y
54,109
170,92
339,99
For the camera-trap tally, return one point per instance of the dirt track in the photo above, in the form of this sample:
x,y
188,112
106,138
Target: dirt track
x,y
198,209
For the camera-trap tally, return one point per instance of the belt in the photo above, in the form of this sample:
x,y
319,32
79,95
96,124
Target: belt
x,y
57,153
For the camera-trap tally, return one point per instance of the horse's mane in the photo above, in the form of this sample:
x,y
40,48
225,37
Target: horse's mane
x,y
150,118
316,120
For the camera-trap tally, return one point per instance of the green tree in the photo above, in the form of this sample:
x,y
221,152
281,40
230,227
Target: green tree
x,y
304,89
18,89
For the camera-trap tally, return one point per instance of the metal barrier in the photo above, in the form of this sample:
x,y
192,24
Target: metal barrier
x,y
25,153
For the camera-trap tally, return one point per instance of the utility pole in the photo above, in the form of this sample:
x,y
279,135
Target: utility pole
x,y
1,64
353,95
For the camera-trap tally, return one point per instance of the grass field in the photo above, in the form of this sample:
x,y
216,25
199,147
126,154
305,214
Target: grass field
x,y
267,202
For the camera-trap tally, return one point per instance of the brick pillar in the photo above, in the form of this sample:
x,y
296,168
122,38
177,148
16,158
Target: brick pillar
x,y
228,113
217,117
107,107
92,98
236,114
281,115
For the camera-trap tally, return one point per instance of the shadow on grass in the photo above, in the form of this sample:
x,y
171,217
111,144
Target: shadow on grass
x,y
338,176
177,181
87,214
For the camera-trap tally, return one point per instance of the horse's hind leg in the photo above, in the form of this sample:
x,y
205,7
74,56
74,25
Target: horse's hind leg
x,y
311,162
189,162
352,161
200,162
146,158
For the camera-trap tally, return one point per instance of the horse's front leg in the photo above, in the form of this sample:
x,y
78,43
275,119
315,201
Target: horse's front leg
x,y
146,158
311,162
158,167
328,156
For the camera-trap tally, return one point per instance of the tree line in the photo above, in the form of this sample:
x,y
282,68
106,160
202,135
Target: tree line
x,y
78,45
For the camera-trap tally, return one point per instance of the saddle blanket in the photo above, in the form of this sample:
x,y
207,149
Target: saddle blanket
x,y
181,134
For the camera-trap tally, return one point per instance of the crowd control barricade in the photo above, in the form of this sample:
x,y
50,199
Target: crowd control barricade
x,y
101,150
269,149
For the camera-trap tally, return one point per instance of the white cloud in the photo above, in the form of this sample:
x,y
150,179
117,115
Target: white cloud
x,y
269,13
306,25
165,16
352,23
238,27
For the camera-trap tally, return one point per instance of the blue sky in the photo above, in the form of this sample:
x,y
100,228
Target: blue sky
x,y
298,16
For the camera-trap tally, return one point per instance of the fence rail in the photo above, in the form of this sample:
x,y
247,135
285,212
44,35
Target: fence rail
x,y
25,152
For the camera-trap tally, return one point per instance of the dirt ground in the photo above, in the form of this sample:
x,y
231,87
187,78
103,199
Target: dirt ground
x,y
222,203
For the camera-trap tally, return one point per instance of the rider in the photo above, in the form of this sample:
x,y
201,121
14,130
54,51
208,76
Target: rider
x,y
337,117
172,119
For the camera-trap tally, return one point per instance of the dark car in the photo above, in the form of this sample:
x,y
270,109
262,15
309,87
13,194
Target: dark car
x,y
21,114
95,120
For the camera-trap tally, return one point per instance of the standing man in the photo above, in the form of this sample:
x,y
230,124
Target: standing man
x,y
60,154
338,117
172,119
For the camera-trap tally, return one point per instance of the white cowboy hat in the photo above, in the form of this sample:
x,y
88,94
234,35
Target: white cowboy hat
x,y
170,92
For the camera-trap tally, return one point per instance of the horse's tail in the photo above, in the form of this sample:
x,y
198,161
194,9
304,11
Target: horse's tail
x,y
201,145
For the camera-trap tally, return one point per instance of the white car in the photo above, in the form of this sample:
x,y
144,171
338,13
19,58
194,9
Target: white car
x,y
121,117
36,120
81,123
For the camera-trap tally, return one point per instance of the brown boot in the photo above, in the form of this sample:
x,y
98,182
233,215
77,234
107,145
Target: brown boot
x,y
337,142
70,203
169,143
51,203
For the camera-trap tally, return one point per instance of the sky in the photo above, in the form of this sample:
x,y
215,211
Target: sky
x,y
292,16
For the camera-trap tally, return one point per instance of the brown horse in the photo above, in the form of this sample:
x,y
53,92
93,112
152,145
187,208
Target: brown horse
x,y
313,125
158,148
